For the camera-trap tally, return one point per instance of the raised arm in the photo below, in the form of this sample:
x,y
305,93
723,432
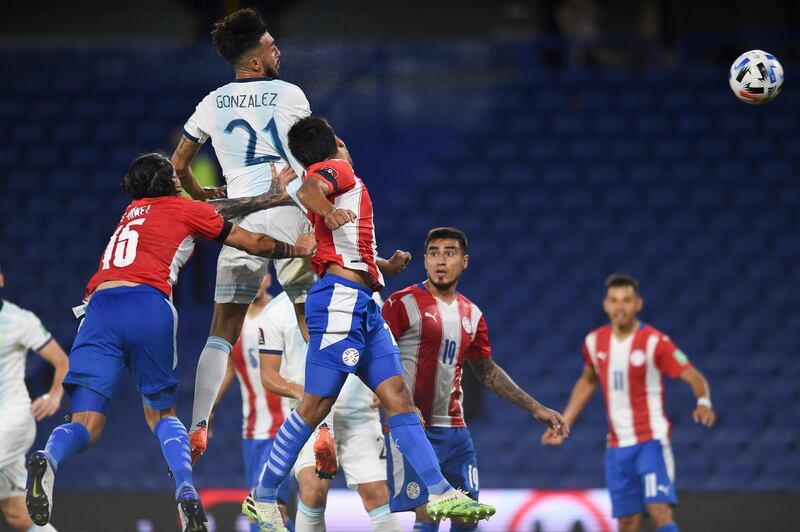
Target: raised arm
x,y
276,196
581,393
48,404
181,160
498,381
273,381
313,195
703,413
265,246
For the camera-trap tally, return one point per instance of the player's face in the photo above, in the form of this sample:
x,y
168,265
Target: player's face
x,y
444,262
343,152
270,56
177,181
622,304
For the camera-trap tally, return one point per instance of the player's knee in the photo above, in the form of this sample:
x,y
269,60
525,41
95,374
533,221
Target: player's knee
x,y
660,513
373,495
629,523
313,409
395,397
313,495
152,417
17,518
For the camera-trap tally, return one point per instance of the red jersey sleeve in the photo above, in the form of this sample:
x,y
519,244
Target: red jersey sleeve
x,y
395,315
204,220
338,175
587,358
480,347
669,359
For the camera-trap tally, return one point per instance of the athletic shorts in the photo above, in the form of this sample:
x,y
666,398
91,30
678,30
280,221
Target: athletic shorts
x,y
457,459
256,453
359,451
347,335
239,274
128,327
638,475
16,437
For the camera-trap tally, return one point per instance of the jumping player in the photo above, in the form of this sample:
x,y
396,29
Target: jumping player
x,y
438,329
348,334
630,358
247,121
130,323
20,332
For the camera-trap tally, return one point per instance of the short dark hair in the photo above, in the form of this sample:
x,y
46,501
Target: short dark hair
x,y
312,140
238,33
439,233
622,279
150,176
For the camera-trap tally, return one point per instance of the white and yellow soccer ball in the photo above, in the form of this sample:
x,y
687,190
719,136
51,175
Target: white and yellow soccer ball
x,y
756,77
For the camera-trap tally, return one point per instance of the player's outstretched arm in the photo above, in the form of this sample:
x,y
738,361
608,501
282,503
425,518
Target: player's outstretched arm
x,y
498,381
273,381
581,393
181,161
265,246
48,404
394,265
276,196
703,413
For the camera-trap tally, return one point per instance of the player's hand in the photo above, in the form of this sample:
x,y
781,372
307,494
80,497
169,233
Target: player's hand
x,y
305,245
45,406
338,217
285,176
551,437
704,416
397,263
210,193
375,403
552,418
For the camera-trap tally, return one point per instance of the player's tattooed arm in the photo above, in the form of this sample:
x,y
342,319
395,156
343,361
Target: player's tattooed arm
x,y
265,246
498,381
231,208
181,161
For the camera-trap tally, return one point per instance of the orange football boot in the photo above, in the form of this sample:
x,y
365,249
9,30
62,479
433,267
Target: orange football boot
x,y
197,442
325,454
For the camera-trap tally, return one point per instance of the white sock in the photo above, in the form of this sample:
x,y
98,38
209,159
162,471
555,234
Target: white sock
x,y
46,528
383,520
309,519
208,379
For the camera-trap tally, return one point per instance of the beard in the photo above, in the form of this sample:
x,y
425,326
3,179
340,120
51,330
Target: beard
x,y
273,71
443,286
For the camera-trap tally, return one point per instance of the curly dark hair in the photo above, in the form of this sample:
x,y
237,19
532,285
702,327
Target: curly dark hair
x,y
238,33
311,140
150,176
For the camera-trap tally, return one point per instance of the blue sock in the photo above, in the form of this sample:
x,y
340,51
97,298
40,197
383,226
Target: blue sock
x,y
407,433
175,448
426,527
672,527
458,527
293,434
65,441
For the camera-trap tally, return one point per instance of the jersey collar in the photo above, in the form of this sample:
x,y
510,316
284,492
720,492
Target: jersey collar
x,y
248,80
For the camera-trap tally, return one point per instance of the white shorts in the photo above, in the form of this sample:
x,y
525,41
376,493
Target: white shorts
x,y
239,274
16,438
360,451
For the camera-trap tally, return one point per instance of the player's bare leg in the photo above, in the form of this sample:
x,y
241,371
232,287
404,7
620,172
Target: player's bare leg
x,y
660,513
226,326
375,497
630,523
300,312
313,499
16,514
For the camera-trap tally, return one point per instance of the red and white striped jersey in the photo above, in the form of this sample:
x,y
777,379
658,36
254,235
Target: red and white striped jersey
x,y
435,339
631,377
263,412
353,245
154,239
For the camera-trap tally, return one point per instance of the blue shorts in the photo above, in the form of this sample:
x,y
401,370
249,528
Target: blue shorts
x,y
256,453
129,327
639,475
347,335
457,460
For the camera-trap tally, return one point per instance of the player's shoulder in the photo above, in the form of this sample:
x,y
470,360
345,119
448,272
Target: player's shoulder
x,y
413,290
333,167
464,300
603,329
652,331
14,312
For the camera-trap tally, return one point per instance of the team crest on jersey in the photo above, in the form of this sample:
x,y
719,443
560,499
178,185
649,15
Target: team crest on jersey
x,y
412,490
638,358
467,324
350,356
261,339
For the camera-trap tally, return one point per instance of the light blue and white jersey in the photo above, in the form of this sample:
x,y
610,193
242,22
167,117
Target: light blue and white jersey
x,y
20,332
248,121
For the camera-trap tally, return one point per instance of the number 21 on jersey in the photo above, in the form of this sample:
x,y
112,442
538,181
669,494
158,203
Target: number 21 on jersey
x,y
122,246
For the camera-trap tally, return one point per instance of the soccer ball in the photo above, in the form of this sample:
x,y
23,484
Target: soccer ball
x,y
756,77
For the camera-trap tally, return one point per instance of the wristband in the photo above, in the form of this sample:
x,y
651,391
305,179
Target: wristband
x,y
704,401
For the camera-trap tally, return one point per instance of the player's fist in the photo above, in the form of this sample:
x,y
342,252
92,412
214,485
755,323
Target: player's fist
x,y
306,245
338,217
551,418
397,263
704,416
551,437
45,406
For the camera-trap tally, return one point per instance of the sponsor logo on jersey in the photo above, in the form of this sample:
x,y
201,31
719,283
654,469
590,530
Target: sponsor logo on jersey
x,y
431,316
412,490
350,356
638,358
467,324
680,358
